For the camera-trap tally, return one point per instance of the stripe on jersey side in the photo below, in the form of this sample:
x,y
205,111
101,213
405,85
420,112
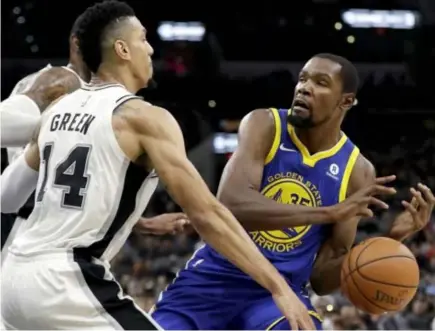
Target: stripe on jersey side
x,y
111,298
99,87
134,177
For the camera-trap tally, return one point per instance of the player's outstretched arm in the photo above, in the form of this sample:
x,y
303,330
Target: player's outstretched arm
x,y
21,112
241,180
19,179
161,139
163,143
325,277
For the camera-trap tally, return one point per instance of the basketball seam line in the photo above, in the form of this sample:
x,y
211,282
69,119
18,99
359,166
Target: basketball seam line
x,y
349,259
357,287
382,282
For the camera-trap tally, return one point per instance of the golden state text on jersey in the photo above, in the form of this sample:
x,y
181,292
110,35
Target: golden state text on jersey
x,y
292,175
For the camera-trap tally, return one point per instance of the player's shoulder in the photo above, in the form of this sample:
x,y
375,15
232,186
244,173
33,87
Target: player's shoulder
x,y
144,116
261,120
262,116
53,73
363,174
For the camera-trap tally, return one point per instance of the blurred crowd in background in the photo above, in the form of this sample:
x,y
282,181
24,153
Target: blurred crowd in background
x,y
210,72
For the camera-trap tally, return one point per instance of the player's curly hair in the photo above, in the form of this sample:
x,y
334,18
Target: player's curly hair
x,y
93,27
349,74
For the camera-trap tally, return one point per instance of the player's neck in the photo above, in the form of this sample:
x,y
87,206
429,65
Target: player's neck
x,y
320,138
118,75
81,71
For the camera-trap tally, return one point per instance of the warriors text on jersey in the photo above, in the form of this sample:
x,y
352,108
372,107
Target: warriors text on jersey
x,y
89,195
213,293
292,176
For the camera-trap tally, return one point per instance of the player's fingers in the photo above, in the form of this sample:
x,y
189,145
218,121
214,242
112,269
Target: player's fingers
x,y
303,325
385,179
428,195
419,197
179,225
380,189
414,202
179,216
378,203
293,323
410,208
308,323
365,212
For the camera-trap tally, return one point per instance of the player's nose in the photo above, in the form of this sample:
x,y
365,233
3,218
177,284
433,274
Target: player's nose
x,y
305,90
150,50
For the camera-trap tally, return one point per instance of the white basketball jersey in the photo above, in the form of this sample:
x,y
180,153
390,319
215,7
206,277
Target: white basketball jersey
x,y
89,195
22,87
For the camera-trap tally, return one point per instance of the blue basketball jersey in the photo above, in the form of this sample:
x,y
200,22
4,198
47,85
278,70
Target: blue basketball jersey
x,y
292,176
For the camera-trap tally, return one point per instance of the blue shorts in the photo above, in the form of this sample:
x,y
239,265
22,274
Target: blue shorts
x,y
199,301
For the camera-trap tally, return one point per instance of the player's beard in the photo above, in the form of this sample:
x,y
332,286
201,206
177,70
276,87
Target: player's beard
x,y
301,122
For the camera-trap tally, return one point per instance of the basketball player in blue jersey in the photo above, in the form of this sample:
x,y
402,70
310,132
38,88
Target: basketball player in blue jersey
x,y
287,162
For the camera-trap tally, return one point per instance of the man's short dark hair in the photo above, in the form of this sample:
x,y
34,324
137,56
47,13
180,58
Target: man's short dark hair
x,y
93,27
349,74
76,25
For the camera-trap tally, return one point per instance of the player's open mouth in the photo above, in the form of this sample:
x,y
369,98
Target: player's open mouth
x,y
301,105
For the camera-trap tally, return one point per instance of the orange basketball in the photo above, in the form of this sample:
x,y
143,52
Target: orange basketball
x,y
380,275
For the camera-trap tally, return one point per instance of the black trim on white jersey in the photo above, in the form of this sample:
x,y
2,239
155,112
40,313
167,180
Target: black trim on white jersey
x,y
134,178
7,224
99,87
107,291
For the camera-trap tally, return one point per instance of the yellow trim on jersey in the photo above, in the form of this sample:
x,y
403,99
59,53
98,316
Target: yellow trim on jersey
x,y
277,137
310,312
347,172
307,158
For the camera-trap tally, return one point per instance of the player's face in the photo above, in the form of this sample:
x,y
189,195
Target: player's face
x,y
140,51
318,93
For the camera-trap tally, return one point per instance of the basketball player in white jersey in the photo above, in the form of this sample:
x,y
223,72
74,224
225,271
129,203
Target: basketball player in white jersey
x,y
95,154
20,115
21,112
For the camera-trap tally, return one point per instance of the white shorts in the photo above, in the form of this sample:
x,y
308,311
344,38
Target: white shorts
x,y
64,291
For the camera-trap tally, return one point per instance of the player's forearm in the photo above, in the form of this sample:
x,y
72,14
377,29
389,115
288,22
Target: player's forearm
x,y
256,212
18,181
223,232
20,117
325,279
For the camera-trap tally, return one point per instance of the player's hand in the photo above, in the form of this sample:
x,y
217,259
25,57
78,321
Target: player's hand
x,y
416,215
358,203
171,223
294,311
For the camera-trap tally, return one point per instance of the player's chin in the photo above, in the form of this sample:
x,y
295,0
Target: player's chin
x,y
147,79
300,121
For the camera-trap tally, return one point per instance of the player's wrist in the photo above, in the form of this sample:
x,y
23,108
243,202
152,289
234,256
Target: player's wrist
x,y
330,214
277,285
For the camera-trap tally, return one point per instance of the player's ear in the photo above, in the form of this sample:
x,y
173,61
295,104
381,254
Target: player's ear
x,y
347,101
122,50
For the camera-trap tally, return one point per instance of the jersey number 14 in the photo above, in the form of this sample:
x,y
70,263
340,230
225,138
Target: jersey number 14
x,y
70,175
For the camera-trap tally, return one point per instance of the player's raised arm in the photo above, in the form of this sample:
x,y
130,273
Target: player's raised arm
x,y
241,179
162,141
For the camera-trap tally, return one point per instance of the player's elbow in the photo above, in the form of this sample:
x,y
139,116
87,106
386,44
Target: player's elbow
x,y
231,198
